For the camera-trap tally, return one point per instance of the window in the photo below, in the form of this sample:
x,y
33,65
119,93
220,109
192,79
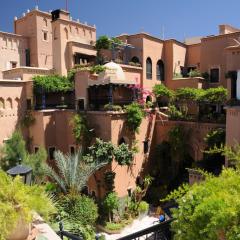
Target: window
x,y
13,64
66,33
36,149
81,104
27,52
45,36
121,141
149,68
160,70
214,75
51,152
72,150
234,85
145,146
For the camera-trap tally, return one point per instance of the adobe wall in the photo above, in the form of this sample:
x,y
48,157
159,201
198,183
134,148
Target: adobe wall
x,y
198,132
12,106
52,128
111,127
12,49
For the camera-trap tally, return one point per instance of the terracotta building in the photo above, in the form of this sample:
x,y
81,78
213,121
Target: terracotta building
x,y
46,43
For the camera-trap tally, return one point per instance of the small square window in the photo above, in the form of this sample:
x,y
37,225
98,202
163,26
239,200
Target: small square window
x,y
51,152
13,64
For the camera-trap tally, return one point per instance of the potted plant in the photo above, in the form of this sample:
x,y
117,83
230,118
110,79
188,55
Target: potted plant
x,y
18,202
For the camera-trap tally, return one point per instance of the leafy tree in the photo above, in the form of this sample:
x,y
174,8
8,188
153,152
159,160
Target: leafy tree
x,y
135,115
37,162
103,42
214,95
13,151
73,171
209,210
111,203
188,94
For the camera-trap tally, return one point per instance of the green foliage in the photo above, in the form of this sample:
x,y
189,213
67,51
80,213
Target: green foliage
x,y
123,155
13,151
111,107
37,162
215,137
177,75
188,94
52,83
102,151
135,115
73,171
214,95
79,215
206,76
17,201
114,226
209,209
97,69
109,180
176,114
111,203
143,207
195,73
103,42
160,90
28,119
80,128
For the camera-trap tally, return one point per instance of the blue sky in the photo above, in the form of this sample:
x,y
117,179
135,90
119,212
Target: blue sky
x,y
178,18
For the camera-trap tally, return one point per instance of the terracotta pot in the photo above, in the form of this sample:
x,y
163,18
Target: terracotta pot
x,y
20,232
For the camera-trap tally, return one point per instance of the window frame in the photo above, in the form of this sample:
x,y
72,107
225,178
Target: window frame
x,y
149,74
210,74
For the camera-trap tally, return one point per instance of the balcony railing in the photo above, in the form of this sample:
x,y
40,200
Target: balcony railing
x,y
159,231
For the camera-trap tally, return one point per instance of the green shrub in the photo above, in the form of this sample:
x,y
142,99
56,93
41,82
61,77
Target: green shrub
x,y
111,107
188,94
195,73
177,75
52,83
123,155
111,203
214,95
160,90
114,226
143,207
79,214
18,201
209,209
135,115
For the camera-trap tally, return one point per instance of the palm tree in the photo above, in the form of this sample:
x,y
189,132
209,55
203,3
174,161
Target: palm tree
x,y
73,171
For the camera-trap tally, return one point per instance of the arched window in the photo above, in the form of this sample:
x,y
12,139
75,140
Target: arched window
x,y
149,68
160,70
17,102
135,59
148,99
66,33
2,103
121,141
9,103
